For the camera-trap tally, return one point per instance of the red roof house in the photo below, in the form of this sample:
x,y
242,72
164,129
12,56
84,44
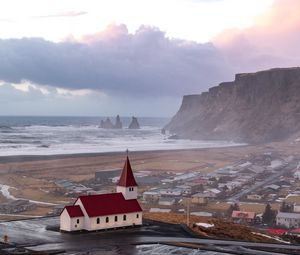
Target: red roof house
x,y
242,216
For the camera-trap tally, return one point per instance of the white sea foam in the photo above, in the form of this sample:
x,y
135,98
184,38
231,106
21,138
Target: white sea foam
x,y
72,139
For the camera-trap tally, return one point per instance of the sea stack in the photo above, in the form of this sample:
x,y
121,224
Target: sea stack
x,y
106,124
102,124
134,124
118,124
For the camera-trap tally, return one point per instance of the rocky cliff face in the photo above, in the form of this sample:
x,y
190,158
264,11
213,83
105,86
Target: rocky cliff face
x,y
254,108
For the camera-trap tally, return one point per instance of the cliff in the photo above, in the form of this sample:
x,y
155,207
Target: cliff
x,y
254,108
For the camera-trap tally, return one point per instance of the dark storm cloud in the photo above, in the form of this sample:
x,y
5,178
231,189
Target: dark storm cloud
x,y
144,63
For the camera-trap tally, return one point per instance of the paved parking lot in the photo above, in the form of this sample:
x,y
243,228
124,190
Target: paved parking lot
x,y
35,234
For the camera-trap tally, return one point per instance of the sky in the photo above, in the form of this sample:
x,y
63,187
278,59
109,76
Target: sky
x,y
135,57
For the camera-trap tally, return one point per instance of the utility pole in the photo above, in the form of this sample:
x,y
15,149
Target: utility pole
x,y
188,211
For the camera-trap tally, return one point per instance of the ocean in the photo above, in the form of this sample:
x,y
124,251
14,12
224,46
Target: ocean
x,y
27,135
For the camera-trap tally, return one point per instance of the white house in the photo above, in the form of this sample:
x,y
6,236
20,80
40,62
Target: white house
x,y
190,188
275,164
185,189
199,198
202,214
167,201
151,195
297,208
289,220
155,210
104,211
170,192
297,175
212,192
254,197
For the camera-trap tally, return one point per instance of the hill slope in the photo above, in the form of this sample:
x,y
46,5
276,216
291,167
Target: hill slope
x,y
255,107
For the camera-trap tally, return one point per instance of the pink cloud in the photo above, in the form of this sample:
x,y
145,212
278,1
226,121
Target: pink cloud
x,y
273,40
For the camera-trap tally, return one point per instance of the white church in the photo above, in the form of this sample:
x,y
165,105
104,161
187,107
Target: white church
x,y
104,211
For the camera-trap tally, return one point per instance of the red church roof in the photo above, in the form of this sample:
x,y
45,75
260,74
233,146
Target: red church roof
x,y
107,204
74,211
127,178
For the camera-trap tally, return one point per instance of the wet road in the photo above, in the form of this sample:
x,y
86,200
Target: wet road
x,y
34,235
286,247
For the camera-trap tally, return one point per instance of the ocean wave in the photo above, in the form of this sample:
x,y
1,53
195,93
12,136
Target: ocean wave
x,y
20,142
64,137
6,129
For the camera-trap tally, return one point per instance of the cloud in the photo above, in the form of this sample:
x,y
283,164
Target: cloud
x,y
62,15
145,63
273,40
9,92
31,99
6,20
144,72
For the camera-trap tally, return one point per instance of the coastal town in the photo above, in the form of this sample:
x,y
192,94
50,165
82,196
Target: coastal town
x,y
253,199
241,192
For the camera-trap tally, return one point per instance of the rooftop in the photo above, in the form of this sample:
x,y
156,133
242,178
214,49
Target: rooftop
x,y
288,215
74,211
107,204
242,214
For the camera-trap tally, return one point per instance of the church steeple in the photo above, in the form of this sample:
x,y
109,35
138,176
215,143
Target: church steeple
x,y
127,184
127,179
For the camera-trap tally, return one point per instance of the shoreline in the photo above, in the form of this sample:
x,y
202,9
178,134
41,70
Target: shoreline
x,y
28,158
